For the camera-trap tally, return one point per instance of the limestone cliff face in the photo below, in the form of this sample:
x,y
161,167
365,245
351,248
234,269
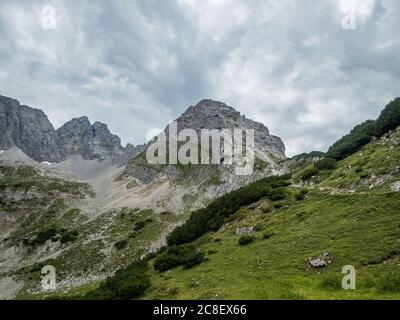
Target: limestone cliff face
x,y
79,136
210,114
214,180
30,130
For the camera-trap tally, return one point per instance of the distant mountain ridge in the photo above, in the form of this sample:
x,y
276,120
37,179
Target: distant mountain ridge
x,y
30,130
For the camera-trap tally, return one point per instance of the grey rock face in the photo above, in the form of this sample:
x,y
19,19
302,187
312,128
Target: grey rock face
x,y
321,261
210,114
244,230
28,129
79,136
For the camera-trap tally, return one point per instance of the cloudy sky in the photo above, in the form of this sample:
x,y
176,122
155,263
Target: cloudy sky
x,y
293,65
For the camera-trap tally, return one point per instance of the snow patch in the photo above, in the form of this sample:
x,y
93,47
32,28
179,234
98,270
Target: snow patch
x,y
47,163
1,151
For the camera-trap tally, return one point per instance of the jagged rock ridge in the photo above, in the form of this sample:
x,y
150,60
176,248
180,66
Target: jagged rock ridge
x,y
210,114
30,130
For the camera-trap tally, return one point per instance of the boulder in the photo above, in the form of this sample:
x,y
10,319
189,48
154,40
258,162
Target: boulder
x,y
244,230
321,260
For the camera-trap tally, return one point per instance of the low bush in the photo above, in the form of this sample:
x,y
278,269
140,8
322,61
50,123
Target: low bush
x,y
213,216
300,196
389,119
128,283
186,255
44,235
119,245
267,234
139,225
326,164
389,282
309,173
245,239
277,195
278,205
68,236
354,141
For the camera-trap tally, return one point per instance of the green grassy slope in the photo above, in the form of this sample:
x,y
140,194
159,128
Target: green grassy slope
x,y
362,230
47,227
350,212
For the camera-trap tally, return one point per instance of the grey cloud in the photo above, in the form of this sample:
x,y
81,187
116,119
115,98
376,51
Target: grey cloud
x,y
137,64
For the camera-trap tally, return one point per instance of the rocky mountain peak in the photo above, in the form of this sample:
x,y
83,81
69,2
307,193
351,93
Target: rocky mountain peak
x,y
208,108
211,114
79,136
30,130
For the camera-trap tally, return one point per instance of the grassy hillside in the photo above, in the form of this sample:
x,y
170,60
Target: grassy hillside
x,y
348,210
362,230
351,212
42,223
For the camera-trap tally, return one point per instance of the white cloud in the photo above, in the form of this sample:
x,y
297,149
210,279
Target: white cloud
x,y
135,66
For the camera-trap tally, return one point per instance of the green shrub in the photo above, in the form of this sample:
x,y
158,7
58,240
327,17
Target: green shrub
x,y
44,235
389,282
362,134
278,205
363,175
280,184
277,195
68,236
122,244
245,239
213,216
267,234
326,164
309,173
186,255
300,196
389,118
310,155
129,283
354,141
139,225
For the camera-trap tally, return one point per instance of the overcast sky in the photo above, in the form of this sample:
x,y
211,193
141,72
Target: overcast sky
x,y
136,65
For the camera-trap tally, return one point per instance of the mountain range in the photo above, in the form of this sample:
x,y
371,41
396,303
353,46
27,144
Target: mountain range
x,y
30,130
116,227
80,179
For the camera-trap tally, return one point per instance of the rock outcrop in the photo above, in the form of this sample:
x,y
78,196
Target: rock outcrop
x,y
210,114
79,136
30,130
